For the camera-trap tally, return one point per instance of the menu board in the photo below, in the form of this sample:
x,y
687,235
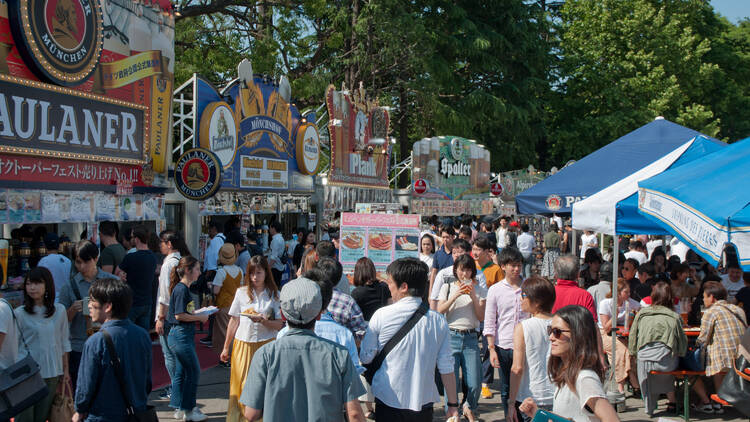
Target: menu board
x,y
383,238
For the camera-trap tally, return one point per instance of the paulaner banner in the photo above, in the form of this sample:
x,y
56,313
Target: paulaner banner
x,y
77,72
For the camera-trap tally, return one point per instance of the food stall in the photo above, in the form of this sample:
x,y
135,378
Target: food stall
x,y
84,119
450,176
360,151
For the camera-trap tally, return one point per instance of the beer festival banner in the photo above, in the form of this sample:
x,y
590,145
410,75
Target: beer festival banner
x,y
85,91
360,146
259,135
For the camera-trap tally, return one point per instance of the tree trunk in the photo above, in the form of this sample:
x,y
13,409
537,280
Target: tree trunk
x,y
403,133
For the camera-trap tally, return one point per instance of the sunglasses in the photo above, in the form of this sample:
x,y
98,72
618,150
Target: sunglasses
x,y
556,332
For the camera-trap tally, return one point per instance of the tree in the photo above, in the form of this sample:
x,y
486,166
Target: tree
x,y
624,62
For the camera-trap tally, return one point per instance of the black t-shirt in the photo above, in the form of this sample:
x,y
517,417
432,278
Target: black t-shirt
x,y
743,296
140,266
180,302
639,290
371,297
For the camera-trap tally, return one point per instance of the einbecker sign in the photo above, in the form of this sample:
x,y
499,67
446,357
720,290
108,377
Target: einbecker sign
x,y
37,119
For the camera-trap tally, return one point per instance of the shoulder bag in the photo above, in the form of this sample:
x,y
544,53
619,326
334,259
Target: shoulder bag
x,y
372,367
21,384
148,415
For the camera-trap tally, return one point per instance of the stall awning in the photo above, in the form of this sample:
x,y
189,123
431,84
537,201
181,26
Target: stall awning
x,y
603,167
614,209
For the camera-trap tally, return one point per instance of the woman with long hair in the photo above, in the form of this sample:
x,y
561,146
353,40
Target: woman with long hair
x,y
255,319
44,328
306,243
463,301
626,309
181,340
657,340
531,346
575,369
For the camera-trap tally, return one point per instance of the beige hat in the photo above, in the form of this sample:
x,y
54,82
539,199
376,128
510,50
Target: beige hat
x,y
227,254
301,301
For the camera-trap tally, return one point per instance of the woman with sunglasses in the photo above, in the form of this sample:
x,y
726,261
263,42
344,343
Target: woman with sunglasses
x,y
657,340
575,369
531,346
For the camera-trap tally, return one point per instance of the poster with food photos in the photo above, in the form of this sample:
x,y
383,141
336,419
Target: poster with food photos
x,y
383,238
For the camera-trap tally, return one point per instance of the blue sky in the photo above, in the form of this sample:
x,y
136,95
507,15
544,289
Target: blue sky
x,y
734,10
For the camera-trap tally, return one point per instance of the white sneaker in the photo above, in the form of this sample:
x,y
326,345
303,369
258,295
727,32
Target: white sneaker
x,y
195,415
179,415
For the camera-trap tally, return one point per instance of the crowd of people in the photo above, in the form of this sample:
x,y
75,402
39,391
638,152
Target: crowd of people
x,y
304,341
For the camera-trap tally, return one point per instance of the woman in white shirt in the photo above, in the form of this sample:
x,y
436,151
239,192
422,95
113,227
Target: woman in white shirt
x,y
427,249
255,319
531,346
44,328
575,369
462,301
626,309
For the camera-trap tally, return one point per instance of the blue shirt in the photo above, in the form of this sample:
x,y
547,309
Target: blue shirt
x,y
301,377
329,329
442,259
98,392
78,333
180,302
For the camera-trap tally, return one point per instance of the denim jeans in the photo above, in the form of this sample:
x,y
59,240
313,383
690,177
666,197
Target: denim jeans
x,y
169,359
528,263
488,372
465,348
141,316
506,361
187,369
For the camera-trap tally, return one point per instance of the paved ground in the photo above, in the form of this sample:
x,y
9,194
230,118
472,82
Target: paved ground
x,y
213,391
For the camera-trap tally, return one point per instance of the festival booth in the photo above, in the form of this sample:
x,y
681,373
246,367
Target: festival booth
x,y
85,121
510,184
360,152
705,204
603,167
267,154
450,176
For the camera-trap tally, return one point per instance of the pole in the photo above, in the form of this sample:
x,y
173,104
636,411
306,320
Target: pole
x,y
613,395
573,243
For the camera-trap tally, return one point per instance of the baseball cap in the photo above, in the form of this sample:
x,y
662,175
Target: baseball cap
x,y
301,301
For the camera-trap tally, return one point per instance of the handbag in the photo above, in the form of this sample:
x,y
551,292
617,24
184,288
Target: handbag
x,y
21,384
736,386
148,415
372,367
62,409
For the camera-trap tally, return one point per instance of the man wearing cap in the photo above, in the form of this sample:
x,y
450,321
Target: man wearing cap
x,y
600,290
59,265
300,376
404,386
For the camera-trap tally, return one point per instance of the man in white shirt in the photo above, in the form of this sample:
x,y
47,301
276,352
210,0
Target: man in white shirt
x,y
678,248
732,280
460,247
588,241
501,233
276,251
210,261
526,244
58,265
653,243
635,252
404,386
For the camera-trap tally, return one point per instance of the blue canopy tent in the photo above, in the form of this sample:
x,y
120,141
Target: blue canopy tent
x,y
614,209
603,167
705,204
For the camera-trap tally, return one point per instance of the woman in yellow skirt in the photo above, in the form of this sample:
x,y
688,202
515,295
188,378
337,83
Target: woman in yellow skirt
x,y
255,319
